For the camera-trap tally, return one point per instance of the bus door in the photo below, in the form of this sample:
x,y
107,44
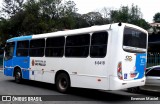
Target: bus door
x,y
8,58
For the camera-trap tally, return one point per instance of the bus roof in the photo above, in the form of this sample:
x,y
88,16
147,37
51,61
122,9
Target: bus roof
x,y
70,32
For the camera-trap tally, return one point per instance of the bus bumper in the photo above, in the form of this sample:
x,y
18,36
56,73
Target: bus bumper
x,y
117,84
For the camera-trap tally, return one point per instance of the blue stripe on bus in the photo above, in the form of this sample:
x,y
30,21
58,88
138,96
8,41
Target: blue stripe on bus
x,y
23,63
8,71
140,64
20,38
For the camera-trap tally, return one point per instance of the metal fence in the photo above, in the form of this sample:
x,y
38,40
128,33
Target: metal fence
x,y
153,58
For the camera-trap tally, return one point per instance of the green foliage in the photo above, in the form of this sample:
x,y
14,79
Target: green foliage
x,y
156,17
42,16
131,15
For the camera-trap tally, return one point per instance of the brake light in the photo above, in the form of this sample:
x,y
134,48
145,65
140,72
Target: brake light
x,y
119,71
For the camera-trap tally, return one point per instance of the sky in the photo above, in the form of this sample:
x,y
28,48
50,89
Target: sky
x,y
147,7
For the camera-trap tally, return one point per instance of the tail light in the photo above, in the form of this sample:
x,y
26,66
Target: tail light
x,y
119,71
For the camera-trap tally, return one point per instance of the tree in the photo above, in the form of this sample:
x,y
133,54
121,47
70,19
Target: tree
x,y
93,18
11,7
131,15
105,12
156,17
67,15
41,16
50,8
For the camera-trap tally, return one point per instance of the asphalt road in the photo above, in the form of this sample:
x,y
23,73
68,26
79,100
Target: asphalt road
x,y
74,96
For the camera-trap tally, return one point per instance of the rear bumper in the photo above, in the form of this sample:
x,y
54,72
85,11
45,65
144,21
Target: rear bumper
x,y
116,84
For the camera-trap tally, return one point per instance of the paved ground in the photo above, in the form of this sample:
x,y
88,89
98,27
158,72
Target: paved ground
x,y
75,95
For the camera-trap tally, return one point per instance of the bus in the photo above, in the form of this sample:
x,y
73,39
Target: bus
x,y
103,57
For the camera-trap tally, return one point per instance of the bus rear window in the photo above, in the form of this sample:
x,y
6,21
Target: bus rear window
x,y
134,38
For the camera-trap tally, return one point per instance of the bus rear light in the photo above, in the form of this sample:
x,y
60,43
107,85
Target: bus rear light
x,y
119,71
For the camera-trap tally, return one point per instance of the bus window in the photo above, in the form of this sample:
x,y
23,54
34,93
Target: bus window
x,y
22,48
98,47
37,47
55,47
9,50
77,46
134,38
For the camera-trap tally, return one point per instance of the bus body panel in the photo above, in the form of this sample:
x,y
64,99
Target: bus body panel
x,y
44,70
140,65
133,66
117,84
20,38
23,64
136,64
8,68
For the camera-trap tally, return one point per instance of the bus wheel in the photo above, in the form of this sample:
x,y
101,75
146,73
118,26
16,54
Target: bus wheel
x,y
18,76
62,82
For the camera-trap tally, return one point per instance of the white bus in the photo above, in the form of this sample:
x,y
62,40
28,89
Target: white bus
x,y
106,57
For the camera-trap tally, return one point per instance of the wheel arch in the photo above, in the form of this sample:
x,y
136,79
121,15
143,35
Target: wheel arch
x,y
15,69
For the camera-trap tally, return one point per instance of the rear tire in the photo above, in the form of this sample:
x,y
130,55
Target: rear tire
x,y
18,76
62,82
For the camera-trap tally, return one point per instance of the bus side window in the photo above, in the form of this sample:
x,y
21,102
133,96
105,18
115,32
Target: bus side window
x,y
22,48
55,47
37,47
77,46
98,47
9,50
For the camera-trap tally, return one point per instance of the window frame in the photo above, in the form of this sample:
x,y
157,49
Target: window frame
x,y
131,48
99,44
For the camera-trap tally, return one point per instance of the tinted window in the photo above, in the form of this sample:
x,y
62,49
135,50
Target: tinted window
x,y
55,47
37,47
22,48
147,70
9,50
98,47
78,40
77,46
134,38
37,43
154,72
